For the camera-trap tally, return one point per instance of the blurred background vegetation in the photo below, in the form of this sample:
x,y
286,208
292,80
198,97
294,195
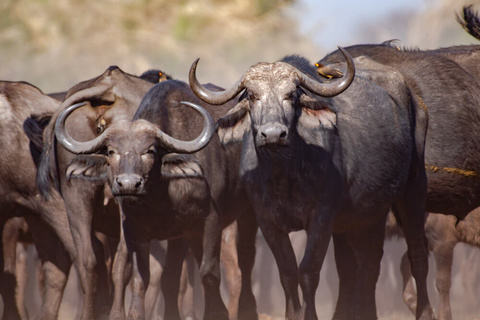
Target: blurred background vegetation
x,y
57,43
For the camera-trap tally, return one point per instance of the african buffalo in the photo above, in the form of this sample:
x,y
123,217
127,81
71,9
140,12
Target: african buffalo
x,y
330,158
443,233
447,81
19,197
111,97
167,188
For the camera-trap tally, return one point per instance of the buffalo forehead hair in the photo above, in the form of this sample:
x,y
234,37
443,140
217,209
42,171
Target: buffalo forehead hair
x,y
302,64
258,71
273,71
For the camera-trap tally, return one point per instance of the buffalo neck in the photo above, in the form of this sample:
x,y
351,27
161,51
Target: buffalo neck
x,y
299,179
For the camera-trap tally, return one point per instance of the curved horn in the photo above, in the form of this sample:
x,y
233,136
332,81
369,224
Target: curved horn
x,y
179,146
68,142
212,97
334,88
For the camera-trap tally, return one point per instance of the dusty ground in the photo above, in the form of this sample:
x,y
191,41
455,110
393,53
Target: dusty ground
x,y
465,291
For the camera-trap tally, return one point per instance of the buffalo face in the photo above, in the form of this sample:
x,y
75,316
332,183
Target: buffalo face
x,y
130,157
129,152
278,102
270,99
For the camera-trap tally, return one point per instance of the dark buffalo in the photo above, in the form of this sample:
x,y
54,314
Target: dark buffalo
x,y
447,81
443,233
111,97
169,188
19,197
330,160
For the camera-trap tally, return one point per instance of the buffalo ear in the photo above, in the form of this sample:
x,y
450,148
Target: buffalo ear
x,y
315,117
232,126
33,128
176,166
88,167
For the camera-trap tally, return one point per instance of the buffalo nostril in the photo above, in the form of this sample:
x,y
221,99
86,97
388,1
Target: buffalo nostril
x,y
129,183
273,133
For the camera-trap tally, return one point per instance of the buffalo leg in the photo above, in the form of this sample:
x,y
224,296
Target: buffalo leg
x,y
318,237
443,259
229,263
121,275
368,245
443,279
157,262
410,212
247,232
186,298
170,282
138,245
358,254
347,270
409,294
103,297
208,257
8,281
56,265
279,242
21,271
15,260
210,274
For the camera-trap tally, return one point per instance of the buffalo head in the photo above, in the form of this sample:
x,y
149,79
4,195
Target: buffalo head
x,y
278,96
129,150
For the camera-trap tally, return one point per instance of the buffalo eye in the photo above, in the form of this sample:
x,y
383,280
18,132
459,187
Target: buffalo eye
x,y
252,97
110,152
291,96
151,152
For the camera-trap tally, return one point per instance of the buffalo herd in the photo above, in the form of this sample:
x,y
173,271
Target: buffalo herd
x,y
368,134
